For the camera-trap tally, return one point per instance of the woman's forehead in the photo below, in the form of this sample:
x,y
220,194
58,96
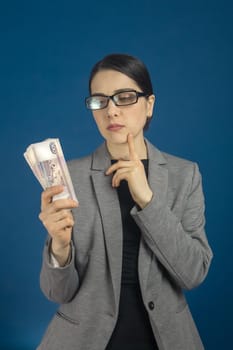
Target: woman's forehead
x,y
109,81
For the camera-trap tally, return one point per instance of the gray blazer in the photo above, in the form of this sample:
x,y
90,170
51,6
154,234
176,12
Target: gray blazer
x,y
174,255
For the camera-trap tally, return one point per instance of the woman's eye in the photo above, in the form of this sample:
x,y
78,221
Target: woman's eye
x,y
99,100
125,97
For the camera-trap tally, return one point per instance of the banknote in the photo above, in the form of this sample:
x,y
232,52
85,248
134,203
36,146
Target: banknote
x,y
47,162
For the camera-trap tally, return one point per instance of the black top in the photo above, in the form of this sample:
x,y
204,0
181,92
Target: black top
x,y
133,330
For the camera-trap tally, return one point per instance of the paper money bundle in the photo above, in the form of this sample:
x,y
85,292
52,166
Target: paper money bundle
x,y
48,164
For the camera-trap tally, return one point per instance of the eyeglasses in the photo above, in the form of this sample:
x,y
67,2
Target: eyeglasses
x,y
121,98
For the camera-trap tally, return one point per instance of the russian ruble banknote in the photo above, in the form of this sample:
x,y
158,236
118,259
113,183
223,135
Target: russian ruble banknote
x,y
47,162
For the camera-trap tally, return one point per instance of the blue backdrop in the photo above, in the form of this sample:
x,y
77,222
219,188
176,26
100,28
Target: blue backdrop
x,y
47,49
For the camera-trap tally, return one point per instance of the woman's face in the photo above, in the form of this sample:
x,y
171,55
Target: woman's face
x,y
116,122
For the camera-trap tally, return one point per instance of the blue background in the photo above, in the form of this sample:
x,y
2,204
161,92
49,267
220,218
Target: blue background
x,y
47,49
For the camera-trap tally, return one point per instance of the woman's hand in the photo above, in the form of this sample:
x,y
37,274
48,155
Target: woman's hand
x,y
133,172
58,220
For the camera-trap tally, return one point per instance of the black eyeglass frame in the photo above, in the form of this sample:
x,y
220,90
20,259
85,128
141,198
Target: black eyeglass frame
x,y
138,94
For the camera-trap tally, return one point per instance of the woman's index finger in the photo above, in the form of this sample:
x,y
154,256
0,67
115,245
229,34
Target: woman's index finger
x,y
132,153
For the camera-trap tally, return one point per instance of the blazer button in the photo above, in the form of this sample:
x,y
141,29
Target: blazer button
x,y
151,305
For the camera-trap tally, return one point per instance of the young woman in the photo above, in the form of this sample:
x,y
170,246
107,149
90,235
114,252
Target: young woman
x,y
118,262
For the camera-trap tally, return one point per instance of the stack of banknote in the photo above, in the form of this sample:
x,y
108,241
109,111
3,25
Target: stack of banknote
x,y
48,164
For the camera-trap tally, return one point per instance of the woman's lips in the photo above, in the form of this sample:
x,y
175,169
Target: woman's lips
x,y
115,127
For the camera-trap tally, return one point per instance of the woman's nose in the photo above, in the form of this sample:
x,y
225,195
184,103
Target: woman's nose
x,y
112,109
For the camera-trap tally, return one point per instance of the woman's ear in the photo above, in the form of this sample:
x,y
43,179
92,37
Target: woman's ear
x,y
150,105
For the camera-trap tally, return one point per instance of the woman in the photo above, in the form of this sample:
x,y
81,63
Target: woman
x,y
117,264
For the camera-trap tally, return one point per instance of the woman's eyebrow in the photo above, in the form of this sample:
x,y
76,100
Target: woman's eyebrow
x,y
114,92
125,89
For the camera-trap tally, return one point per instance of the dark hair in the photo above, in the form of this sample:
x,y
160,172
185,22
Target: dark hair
x,y
128,65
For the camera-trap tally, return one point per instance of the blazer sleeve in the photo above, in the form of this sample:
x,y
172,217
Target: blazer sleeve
x,y
59,284
179,243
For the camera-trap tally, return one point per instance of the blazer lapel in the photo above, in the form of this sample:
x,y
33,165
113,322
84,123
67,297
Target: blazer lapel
x,y
111,216
158,181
